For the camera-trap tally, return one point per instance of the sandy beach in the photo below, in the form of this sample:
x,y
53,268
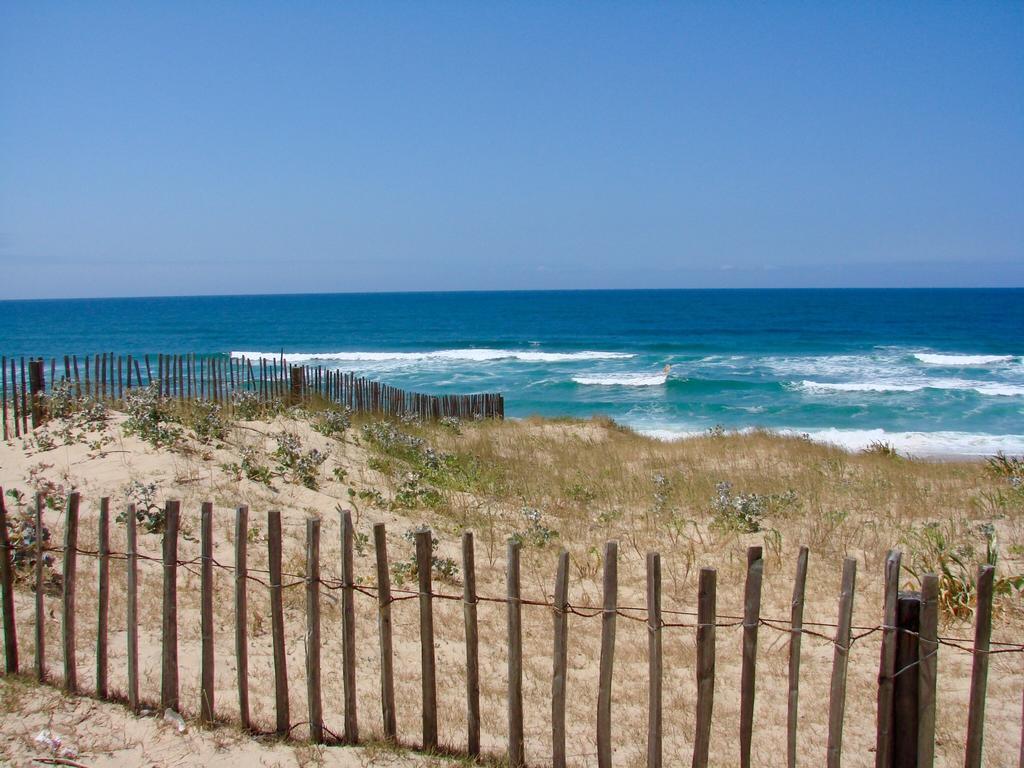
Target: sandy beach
x,y
553,484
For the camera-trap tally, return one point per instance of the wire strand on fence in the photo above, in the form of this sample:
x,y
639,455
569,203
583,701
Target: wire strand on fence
x,y
724,621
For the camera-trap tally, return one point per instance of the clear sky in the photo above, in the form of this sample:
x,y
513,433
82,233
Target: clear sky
x,y
193,148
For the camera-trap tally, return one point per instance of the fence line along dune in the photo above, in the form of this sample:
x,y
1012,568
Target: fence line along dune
x,y
727,515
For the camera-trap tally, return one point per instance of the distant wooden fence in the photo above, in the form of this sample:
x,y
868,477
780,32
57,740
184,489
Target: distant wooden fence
x,y
106,377
906,693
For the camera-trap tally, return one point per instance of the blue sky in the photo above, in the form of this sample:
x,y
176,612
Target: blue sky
x,y
193,148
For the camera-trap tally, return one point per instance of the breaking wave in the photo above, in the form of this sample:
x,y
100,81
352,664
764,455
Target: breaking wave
x,y
961,361
990,388
623,380
468,355
934,444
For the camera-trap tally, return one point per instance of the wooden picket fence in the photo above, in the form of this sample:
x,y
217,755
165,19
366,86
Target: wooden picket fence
x,y
906,693
218,378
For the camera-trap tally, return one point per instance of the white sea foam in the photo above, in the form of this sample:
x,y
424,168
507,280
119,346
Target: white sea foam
x,y
467,355
858,386
991,388
623,380
925,444
961,360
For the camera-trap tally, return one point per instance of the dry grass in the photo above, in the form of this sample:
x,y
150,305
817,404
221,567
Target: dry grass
x,y
583,483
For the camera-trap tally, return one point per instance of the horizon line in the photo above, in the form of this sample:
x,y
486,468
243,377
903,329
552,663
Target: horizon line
x,y
515,290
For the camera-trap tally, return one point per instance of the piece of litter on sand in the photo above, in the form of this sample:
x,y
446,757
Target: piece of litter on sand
x,y
55,744
172,717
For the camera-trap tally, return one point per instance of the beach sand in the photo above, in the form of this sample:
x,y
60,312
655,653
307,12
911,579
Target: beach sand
x,y
588,482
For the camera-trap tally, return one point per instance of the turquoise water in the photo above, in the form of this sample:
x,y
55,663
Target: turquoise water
x,y
931,371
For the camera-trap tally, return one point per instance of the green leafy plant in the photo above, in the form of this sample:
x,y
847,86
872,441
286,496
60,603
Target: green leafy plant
x,y
536,533
247,405
150,417
948,550
406,570
300,466
745,512
24,539
333,423
148,513
414,493
207,421
883,449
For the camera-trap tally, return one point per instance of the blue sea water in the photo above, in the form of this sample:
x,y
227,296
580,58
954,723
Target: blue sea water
x,y
930,371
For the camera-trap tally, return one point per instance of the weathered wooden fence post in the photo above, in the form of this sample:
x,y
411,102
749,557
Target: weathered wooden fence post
x,y
68,615
424,557
387,670
313,698
37,390
242,612
472,645
927,677
887,662
132,618
654,660
706,621
277,621
751,620
348,612
169,671
906,686
516,745
979,670
607,659
206,675
103,598
560,662
840,661
7,584
796,623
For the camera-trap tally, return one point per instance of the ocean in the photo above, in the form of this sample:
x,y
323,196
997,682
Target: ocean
x,y
932,372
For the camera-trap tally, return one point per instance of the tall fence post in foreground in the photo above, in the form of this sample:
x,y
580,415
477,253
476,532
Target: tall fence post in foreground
x,y
654,660
206,675
132,618
242,612
560,663
316,725
387,668
68,616
348,613
277,622
927,676
607,660
887,662
7,584
796,622
706,608
840,661
979,671
424,557
751,619
103,598
516,744
169,671
905,687
472,645
40,628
